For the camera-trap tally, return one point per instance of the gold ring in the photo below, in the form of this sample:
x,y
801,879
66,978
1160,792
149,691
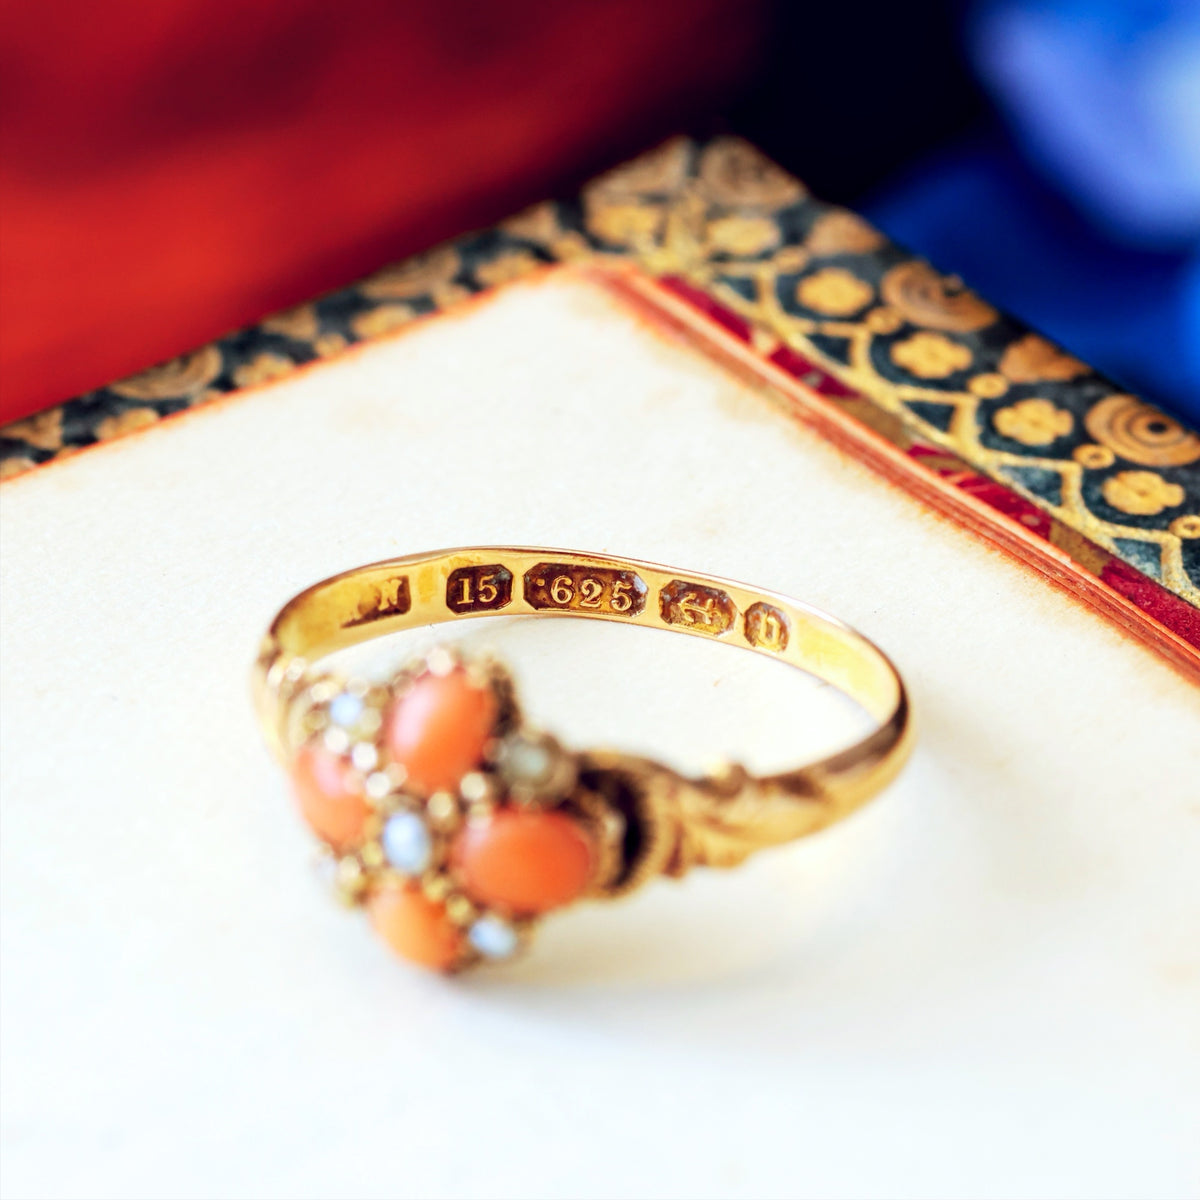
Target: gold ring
x,y
456,824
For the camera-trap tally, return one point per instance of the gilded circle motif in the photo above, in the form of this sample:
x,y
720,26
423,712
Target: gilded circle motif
x,y
834,291
883,320
1141,493
927,298
182,376
1186,527
1142,434
988,386
931,355
1094,458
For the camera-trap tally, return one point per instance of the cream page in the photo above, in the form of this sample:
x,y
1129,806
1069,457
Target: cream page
x,y
989,978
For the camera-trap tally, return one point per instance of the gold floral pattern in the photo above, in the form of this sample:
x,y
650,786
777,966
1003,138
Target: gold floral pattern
x,y
377,321
630,225
507,267
731,225
186,375
15,465
538,223
262,369
931,355
742,236
129,421
1032,358
1141,493
836,291
1141,434
326,345
926,298
300,323
1033,422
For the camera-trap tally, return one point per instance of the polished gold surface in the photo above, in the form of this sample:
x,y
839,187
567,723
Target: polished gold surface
x,y
715,820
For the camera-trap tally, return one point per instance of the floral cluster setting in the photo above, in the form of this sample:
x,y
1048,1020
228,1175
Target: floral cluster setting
x,y
451,821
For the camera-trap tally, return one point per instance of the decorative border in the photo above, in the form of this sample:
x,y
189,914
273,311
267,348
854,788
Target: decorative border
x,y
970,396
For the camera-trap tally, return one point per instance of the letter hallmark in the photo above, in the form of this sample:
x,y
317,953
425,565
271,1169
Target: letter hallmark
x,y
600,590
704,609
767,627
479,589
388,599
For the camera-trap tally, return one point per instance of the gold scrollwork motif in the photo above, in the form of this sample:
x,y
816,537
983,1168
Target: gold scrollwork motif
x,y
663,171
419,276
841,232
1032,359
927,298
1143,435
44,430
735,174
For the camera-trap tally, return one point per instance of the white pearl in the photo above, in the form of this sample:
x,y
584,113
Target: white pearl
x,y
526,761
345,709
493,938
406,843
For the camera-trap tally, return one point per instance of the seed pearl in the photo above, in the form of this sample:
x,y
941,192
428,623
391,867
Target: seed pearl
x,y
406,843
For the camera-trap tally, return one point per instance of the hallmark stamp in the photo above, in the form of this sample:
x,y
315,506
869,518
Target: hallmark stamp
x,y
766,627
696,606
479,589
390,598
601,590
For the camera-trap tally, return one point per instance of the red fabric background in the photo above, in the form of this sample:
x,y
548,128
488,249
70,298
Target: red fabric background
x,y
173,169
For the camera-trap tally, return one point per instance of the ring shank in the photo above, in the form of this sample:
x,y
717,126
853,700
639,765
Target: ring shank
x,y
449,585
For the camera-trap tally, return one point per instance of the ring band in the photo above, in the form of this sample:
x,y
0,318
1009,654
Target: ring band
x,y
456,824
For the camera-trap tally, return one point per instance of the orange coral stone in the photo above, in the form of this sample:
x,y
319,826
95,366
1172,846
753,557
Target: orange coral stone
x,y
415,926
437,730
324,790
524,861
